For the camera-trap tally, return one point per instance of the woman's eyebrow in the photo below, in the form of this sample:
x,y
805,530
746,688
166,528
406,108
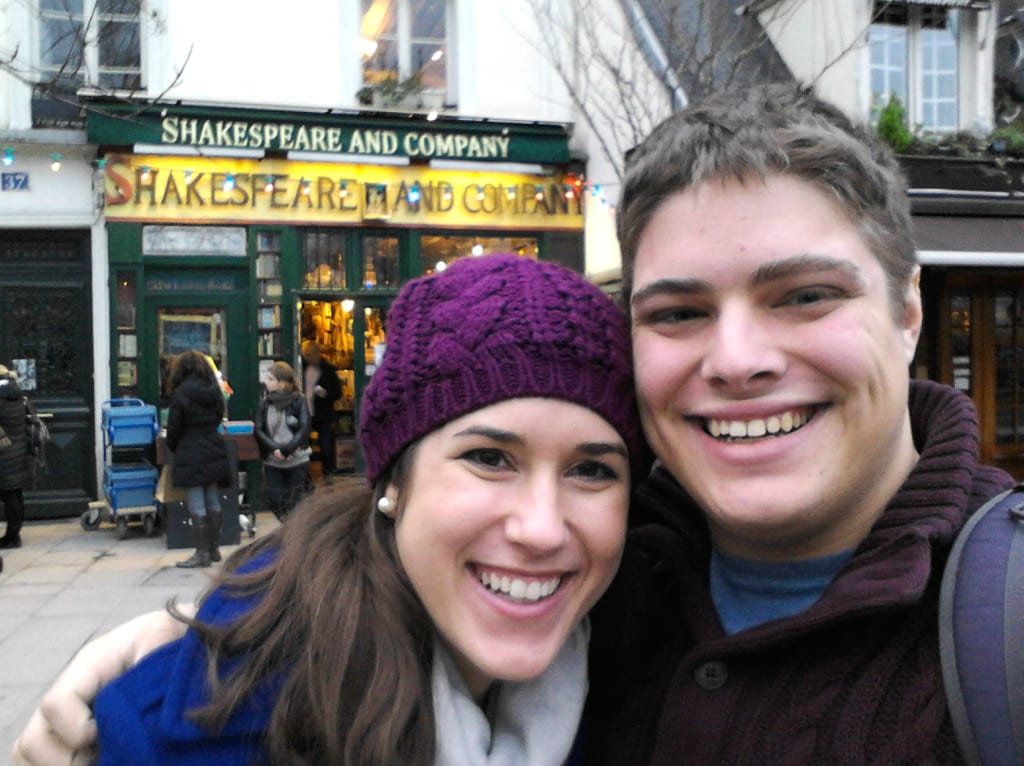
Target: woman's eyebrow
x,y
597,449
593,449
497,434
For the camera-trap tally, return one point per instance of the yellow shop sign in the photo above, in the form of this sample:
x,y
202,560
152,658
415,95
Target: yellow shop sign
x,y
160,188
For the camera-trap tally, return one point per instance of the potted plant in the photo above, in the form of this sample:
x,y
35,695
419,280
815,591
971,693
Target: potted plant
x,y
957,161
390,91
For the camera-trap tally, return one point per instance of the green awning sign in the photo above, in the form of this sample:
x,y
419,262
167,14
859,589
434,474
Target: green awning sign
x,y
350,133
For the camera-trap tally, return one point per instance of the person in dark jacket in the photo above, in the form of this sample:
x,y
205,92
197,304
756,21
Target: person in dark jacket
x,y
201,466
322,388
15,461
282,431
779,596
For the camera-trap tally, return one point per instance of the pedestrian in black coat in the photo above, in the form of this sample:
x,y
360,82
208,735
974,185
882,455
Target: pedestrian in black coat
x,y
201,464
322,388
15,462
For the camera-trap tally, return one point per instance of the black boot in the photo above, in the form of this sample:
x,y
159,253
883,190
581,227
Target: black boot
x,y
14,510
201,534
216,518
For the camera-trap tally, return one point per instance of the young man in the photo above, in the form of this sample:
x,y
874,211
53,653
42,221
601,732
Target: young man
x,y
777,602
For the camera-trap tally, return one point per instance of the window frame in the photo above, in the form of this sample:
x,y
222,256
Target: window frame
x,y
91,72
915,69
405,43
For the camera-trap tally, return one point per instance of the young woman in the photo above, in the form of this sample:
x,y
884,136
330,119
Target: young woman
x,y
282,432
201,465
438,614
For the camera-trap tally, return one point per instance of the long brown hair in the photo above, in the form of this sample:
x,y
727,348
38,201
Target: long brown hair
x,y
339,621
190,364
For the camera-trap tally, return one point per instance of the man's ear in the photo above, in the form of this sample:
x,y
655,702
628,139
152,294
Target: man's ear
x,y
913,314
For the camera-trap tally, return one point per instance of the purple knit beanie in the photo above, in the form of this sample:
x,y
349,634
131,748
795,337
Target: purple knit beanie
x,y
493,328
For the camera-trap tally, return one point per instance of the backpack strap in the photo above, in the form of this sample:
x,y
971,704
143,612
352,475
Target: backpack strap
x,y
981,632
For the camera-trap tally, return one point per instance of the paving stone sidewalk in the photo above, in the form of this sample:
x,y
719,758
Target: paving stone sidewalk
x,y
66,585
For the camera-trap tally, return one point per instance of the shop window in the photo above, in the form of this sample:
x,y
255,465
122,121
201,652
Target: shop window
x,y
405,48
914,56
1008,326
127,336
323,254
380,262
201,329
270,344
436,252
961,340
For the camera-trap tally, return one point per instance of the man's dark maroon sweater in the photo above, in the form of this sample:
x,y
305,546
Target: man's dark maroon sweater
x,y
855,679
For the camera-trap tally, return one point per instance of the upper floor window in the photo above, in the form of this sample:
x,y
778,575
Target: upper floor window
x,y
94,43
914,56
405,47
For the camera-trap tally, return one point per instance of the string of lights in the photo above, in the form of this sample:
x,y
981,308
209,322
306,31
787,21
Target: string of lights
x,y
7,159
573,187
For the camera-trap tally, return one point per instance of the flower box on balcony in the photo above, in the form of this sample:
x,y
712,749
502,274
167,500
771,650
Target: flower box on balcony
x,y
972,174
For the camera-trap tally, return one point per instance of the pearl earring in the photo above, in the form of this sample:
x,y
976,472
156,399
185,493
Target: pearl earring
x,y
386,506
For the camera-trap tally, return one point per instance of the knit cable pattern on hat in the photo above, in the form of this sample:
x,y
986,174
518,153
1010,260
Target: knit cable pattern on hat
x,y
489,329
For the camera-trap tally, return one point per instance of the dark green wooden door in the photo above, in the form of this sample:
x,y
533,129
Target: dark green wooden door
x,y
46,321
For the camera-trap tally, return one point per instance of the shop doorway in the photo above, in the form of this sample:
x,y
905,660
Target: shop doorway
x,y
351,333
982,354
204,323
46,321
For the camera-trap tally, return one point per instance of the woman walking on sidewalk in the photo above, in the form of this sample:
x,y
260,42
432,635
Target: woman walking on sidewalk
x,y
283,425
201,463
14,458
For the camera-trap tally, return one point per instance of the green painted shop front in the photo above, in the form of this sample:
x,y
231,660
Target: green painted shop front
x,y
247,257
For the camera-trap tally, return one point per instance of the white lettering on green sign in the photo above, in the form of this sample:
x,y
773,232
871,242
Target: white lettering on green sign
x,y
286,136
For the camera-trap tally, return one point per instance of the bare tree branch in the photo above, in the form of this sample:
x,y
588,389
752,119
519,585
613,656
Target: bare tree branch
x,y
71,41
623,79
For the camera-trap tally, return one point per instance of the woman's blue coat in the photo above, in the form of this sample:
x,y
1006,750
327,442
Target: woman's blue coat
x,y
141,715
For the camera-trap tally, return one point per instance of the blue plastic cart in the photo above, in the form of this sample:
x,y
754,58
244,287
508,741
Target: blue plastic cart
x,y
128,487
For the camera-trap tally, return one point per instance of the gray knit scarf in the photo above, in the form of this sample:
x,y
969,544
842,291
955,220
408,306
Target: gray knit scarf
x,y
532,723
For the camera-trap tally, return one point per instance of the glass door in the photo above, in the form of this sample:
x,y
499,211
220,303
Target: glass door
x,y
983,355
351,333
1008,384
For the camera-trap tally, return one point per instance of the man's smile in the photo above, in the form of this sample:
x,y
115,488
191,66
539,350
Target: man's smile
x,y
774,425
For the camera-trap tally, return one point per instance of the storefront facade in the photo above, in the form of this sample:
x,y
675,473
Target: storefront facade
x,y
972,283
309,235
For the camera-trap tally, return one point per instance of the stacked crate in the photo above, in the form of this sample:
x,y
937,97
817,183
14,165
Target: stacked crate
x,y
129,484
